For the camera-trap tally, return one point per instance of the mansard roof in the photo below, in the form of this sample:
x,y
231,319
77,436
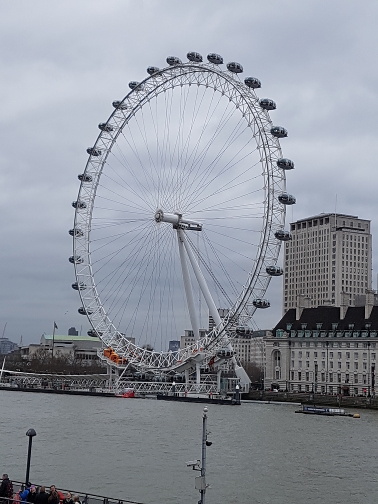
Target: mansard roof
x,y
328,315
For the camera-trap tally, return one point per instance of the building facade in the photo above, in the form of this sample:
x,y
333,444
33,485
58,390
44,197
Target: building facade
x,y
328,349
328,254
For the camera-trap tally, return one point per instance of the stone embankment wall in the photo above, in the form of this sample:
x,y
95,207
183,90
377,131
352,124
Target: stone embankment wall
x,y
318,399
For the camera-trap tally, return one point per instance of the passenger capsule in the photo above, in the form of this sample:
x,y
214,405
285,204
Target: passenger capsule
x,y
282,235
76,232
243,330
215,58
105,127
268,104
194,56
274,271
225,353
151,70
278,132
286,199
84,177
119,105
94,152
234,67
261,303
85,311
79,204
94,334
135,84
252,82
172,60
79,286
76,259
285,164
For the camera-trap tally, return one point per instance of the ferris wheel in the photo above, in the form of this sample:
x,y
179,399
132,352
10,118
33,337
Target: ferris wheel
x,y
180,213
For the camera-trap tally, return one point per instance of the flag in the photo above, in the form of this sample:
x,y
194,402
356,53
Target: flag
x,y
55,326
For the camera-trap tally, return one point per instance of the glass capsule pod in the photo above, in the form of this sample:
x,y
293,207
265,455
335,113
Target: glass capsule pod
x,y
94,334
282,235
285,164
105,127
215,58
234,67
243,330
79,204
224,353
267,104
173,60
76,259
84,177
77,232
261,303
135,84
84,311
119,105
274,271
79,286
278,132
92,151
252,82
286,199
151,70
194,56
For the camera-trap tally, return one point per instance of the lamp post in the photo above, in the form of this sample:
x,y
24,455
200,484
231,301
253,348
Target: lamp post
x,y
31,433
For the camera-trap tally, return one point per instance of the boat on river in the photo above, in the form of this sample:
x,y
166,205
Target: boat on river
x,y
128,393
319,410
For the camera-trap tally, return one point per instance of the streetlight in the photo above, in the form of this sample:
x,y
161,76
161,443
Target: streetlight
x,y
31,433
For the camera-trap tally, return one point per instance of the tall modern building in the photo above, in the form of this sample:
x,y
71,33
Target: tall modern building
x,y
329,254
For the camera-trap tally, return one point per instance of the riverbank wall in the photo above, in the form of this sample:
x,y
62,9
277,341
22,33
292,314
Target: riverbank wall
x,y
314,399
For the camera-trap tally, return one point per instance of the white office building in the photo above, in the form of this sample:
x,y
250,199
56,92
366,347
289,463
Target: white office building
x,y
329,254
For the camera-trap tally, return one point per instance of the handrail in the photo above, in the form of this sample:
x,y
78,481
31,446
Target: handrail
x,y
86,495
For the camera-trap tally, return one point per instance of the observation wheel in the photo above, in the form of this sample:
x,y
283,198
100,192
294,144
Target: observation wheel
x,y
180,213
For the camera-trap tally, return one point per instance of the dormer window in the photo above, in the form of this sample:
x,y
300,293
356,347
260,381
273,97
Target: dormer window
x,y
304,326
334,326
351,327
367,326
288,326
319,325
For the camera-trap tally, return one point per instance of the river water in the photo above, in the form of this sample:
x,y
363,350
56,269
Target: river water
x,y
137,450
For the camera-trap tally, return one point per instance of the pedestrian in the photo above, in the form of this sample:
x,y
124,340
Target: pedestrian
x,y
54,496
68,499
76,499
32,495
24,493
6,488
42,496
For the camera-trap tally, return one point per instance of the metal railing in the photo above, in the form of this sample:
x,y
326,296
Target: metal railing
x,y
85,497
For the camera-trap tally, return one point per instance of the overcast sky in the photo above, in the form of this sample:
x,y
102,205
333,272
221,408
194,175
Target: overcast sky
x,y
63,63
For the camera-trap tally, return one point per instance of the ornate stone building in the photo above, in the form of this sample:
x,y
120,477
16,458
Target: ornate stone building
x,y
328,349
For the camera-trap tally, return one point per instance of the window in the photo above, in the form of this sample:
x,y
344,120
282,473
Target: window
x,y
346,377
299,376
355,355
356,378
355,366
331,377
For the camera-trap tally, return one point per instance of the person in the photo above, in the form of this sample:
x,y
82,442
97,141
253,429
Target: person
x,y
54,496
32,494
24,493
6,488
42,496
76,499
68,499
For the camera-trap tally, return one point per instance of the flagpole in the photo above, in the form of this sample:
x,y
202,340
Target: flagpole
x,y
52,350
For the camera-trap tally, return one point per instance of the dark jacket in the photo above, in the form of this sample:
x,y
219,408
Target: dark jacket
x,y
53,498
41,498
6,488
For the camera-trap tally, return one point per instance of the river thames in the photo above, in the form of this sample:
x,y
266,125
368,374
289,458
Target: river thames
x,y
137,450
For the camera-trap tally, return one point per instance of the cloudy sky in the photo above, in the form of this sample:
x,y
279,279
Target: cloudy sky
x,y
63,63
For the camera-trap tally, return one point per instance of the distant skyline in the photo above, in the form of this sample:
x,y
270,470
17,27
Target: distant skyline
x,y
64,63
